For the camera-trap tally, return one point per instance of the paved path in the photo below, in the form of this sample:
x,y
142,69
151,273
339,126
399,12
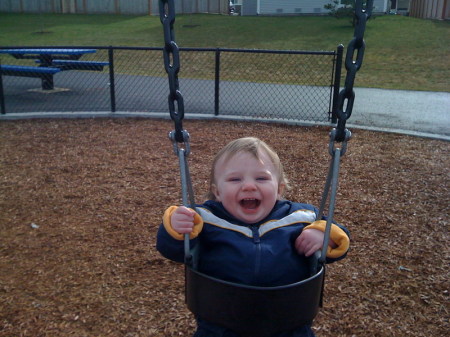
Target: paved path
x,y
414,112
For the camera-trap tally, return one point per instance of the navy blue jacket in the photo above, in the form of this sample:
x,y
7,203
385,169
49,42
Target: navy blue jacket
x,y
261,254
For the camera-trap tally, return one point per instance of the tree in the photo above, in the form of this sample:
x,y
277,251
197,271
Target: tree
x,y
343,9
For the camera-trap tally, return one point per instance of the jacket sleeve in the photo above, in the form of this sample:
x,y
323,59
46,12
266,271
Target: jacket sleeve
x,y
169,247
337,235
198,224
171,244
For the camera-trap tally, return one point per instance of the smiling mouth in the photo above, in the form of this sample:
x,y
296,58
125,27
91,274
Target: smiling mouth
x,y
250,203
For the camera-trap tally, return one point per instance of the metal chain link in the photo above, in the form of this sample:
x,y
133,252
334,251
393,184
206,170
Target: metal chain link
x,y
171,54
352,65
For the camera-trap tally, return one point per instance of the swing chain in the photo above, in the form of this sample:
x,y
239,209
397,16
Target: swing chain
x,y
356,46
171,54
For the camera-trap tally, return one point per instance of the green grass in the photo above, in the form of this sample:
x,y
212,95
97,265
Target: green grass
x,y
401,52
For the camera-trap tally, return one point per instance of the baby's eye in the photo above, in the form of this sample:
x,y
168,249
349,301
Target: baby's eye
x,y
262,178
233,179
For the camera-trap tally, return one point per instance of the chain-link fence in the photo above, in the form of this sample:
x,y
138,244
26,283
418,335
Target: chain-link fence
x,y
257,83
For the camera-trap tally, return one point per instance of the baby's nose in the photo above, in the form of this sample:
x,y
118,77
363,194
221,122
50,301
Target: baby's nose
x,y
248,185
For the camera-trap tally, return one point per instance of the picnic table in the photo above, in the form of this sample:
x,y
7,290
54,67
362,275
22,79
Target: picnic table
x,y
49,62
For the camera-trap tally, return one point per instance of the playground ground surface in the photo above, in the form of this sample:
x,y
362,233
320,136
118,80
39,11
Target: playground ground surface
x,y
81,201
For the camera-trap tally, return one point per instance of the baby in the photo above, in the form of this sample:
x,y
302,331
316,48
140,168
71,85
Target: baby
x,y
246,232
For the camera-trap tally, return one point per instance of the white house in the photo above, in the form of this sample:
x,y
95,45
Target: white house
x,y
290,7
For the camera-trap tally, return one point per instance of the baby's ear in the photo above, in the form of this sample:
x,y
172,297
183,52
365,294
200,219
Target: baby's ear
x,y
281,190
215,191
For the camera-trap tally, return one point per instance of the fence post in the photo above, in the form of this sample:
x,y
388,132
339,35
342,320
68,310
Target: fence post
x,y
2,95
216,84
337,82
112,88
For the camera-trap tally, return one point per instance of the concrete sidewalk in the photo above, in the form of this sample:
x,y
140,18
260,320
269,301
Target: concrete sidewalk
x,y
421,113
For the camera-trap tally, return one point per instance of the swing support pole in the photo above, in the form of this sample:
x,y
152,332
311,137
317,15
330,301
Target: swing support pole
x,y
331,186
187,191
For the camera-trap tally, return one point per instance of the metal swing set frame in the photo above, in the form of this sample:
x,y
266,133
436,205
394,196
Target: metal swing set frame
x,y
251,310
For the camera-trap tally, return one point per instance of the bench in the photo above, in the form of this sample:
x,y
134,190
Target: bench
x,y
28,71
78,65
44,73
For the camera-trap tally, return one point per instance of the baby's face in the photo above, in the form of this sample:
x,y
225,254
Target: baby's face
x,y
246,186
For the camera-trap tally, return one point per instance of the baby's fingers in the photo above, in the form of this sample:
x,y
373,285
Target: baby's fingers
x,y
184,229
305,246
182,226
186,211
311,249
300,244
182,220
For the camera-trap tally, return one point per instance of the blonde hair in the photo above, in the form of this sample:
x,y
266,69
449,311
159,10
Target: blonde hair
x,y
253,146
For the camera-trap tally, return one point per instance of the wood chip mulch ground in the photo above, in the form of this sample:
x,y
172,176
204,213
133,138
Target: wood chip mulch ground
x,y
81,201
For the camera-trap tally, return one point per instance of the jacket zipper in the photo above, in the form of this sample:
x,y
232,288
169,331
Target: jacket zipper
x,y
257,242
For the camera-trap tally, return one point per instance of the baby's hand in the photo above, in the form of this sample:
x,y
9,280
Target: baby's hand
x,y
182,220
310,241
